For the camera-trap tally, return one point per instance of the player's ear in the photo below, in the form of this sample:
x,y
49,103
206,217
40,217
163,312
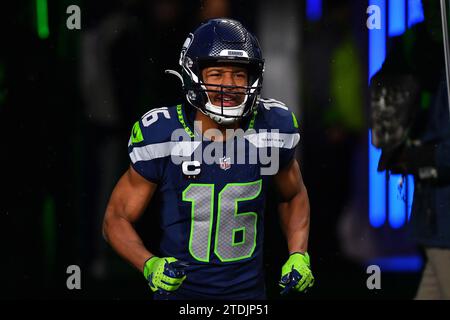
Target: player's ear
x,y
203,74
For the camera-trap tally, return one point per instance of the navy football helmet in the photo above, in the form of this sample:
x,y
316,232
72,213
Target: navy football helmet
x,y
219,41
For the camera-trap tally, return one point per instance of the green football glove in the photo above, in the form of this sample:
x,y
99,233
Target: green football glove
x,y
296,273
164,274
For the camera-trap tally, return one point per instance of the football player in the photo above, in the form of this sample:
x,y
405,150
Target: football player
x,y
212,213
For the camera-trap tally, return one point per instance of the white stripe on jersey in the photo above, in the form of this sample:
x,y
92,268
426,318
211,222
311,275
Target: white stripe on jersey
x,y
273,139
272,103
164,149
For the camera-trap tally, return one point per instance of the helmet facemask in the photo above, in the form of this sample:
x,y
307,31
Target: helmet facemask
x,y
199,94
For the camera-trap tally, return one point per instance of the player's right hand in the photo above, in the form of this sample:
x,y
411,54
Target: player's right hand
x,y
296,273
164,274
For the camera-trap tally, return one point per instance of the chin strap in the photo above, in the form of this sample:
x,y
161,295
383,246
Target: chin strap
x,y
220,118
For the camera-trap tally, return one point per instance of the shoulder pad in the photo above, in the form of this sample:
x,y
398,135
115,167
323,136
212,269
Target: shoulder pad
x,y
155,126
276,115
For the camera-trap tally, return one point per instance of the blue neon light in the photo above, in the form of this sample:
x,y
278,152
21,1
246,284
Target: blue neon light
x,y
377,188
377,180
412,263
397,17
377,41
314,10
410,191
400,203
415,12
400,200
397,201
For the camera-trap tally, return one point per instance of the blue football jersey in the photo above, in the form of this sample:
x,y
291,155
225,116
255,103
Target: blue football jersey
x,y
213,193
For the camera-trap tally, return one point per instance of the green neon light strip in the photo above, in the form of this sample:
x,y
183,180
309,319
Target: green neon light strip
x,y
49,230
42,19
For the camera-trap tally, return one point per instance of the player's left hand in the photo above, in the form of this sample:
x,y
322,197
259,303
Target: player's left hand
x,y
296,273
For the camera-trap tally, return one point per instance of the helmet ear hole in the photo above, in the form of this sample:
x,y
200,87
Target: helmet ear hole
x,y
192,95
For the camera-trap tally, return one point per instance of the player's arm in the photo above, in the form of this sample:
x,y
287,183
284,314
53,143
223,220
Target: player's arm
x,y
294,216
128,201
294,207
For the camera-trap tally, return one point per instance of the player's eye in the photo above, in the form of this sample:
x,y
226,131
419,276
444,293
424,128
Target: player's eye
x,y
214,74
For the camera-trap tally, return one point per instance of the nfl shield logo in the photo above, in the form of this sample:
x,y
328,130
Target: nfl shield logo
x,y
225,163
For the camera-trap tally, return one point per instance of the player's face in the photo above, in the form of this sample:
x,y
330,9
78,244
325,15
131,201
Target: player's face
x,y
226,76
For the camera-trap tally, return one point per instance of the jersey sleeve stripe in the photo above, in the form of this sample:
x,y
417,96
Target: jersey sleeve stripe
x,y
276,140
164,149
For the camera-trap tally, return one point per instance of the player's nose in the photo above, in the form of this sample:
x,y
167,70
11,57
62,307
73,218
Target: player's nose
x,y
228,79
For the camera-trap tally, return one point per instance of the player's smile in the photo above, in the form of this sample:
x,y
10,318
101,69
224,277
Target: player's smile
x,y
229,100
